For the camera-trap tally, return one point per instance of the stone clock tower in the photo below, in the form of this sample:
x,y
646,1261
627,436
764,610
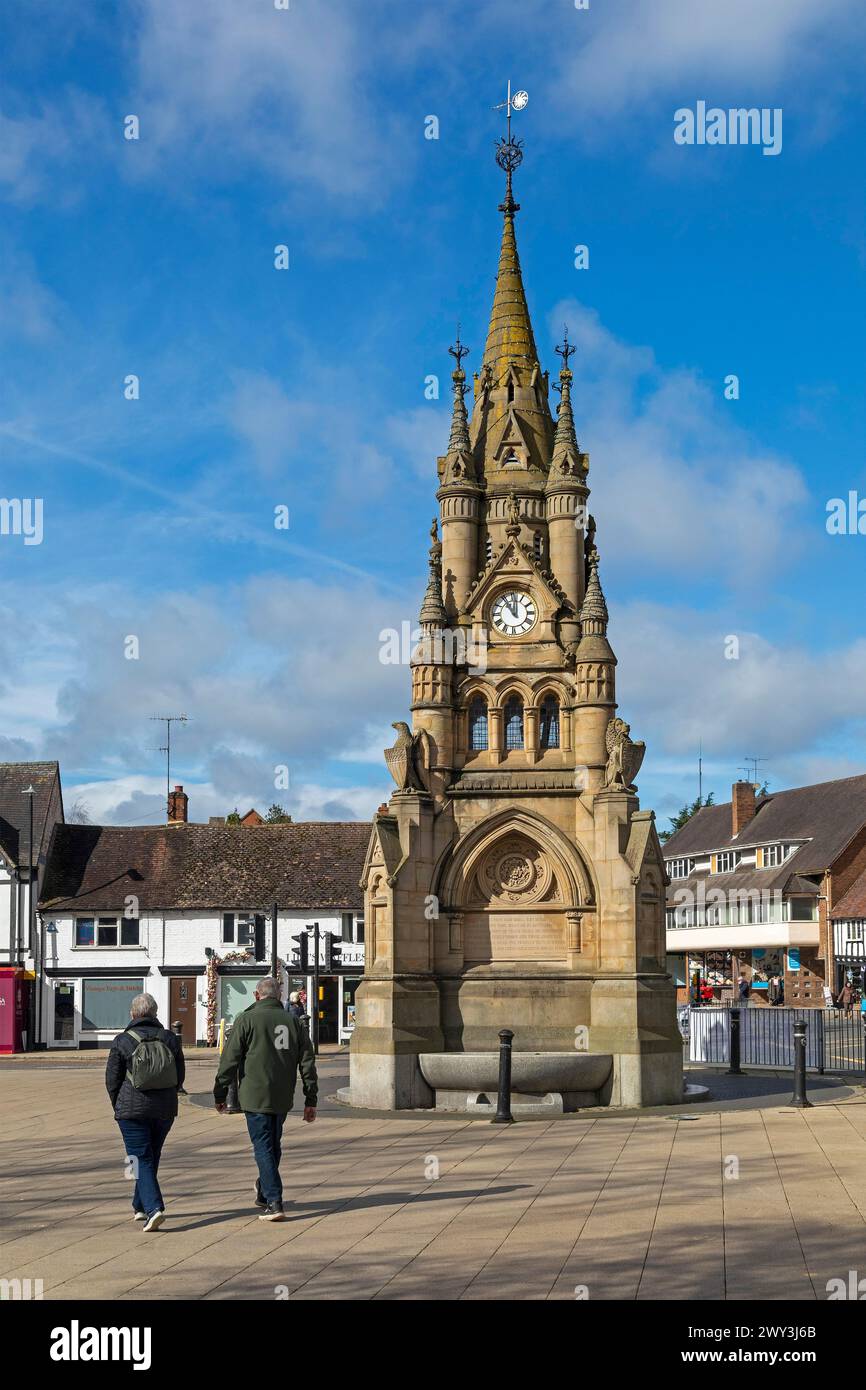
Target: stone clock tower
x,y
513,880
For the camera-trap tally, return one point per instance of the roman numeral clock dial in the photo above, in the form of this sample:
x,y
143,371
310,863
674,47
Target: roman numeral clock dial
x,y
513,613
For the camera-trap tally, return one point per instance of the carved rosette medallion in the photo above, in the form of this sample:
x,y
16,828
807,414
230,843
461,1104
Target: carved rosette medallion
x,y
514,872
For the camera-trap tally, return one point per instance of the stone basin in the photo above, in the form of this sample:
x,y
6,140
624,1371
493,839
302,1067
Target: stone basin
x,y
574,1078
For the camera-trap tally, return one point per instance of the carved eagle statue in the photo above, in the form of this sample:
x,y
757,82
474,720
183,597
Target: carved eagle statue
x,y
624,757
402,760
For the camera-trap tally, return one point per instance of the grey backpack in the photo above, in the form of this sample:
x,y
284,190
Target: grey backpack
x,y
152,1066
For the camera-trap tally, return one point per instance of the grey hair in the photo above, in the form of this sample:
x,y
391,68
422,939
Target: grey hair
x,y
268,988
142,1005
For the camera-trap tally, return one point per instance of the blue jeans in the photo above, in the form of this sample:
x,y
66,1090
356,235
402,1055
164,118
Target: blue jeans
x,y
143,1140
266,1132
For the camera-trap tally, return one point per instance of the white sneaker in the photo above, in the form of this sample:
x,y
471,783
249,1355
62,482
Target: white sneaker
x,y
140,1216
154,1222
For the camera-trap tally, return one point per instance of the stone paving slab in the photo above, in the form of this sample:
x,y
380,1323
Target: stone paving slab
x,y
744,1203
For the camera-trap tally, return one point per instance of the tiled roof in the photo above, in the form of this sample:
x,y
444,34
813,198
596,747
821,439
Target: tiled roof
x,y
15,808
852,903
828,814
303,865
781,879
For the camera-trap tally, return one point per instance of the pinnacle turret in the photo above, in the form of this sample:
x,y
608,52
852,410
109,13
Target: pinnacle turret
x,y
567,459
433,613
458,464
593,613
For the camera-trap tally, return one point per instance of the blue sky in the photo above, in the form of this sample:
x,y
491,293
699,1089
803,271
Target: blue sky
x,y
305,387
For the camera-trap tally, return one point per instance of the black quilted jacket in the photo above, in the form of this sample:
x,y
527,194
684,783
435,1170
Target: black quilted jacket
x,y
132,1104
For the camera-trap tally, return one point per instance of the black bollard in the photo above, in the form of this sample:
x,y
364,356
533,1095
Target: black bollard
x,y
177,1027
799,1097
503,1114
735,1069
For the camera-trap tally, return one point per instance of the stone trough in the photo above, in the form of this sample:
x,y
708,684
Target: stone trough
x,y
541,1082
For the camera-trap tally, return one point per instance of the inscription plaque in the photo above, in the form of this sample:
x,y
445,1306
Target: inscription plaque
x,y
506,936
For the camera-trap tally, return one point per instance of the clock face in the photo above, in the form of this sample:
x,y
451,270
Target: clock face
x,y
513,613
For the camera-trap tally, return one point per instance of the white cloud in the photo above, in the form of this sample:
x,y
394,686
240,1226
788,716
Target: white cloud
x,y
246,84
677,485
630,53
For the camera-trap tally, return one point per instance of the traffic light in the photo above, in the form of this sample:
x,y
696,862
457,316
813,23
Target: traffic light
x,y
333,953
301,953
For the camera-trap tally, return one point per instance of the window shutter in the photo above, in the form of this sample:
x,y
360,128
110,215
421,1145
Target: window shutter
x,y
228,926
259,920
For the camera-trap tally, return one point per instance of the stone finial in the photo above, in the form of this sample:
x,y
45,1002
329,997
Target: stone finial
x,y
593,612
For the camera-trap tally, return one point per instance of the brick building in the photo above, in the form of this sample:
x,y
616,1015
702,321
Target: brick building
x,y
757,886
183,912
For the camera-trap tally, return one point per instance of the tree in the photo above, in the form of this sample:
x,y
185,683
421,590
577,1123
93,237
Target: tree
x,y
234,817
78,813
277,815
685,814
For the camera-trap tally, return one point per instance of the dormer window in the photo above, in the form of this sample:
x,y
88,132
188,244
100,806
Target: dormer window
x,y
725,862
679,868
772,855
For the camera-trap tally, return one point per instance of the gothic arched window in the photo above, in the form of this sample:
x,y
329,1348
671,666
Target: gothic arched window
x,y
478,725
548,723
514,722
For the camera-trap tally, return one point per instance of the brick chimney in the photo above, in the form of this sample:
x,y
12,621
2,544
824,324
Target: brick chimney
x,y
177,806
742,805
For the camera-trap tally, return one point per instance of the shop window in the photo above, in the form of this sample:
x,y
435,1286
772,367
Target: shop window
x,y
105,1003
478,725
548,724
236,994
514,723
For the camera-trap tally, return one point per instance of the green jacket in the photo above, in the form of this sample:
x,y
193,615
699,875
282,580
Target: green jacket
x,y
265,1048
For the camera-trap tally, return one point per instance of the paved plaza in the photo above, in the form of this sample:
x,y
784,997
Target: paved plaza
x,y
747,1200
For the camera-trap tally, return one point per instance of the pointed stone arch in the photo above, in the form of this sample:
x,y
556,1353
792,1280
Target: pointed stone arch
x,y
569,863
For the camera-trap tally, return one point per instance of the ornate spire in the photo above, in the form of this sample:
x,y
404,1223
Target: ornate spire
x,y
567,457
433,609
593,613
509,336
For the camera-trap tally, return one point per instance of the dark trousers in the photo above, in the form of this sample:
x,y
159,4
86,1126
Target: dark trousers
x,y
266,1132
143,1140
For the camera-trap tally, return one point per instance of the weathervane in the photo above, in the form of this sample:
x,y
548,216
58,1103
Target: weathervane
x,y
568,349
459,351
509,153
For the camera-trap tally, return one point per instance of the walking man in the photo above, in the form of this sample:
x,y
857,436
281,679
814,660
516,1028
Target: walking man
x,y
144,1072
265,1050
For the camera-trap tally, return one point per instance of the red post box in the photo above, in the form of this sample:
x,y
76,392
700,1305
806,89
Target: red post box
x,y
14,985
